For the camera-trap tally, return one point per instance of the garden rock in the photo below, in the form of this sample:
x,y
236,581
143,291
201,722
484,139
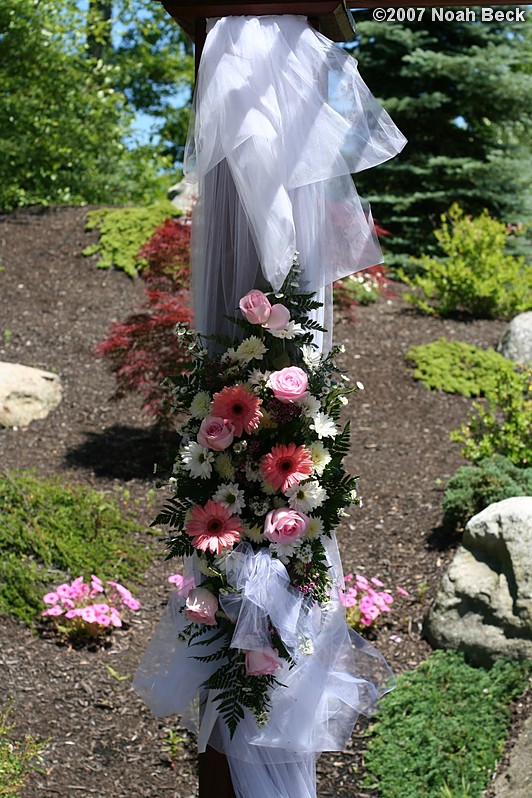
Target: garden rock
x,y
516,343
516,780
484,606
26,394
183,195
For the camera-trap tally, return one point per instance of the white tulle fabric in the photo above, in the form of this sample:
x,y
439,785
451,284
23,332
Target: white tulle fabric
x,y
282,119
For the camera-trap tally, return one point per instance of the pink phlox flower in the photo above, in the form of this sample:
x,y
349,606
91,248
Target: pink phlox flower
x,y
55,610
387,597
51,598
132,604
348,578
115,618
349,597
376,582
68,602
402,591
361,581
103,620
100,608
73,613
365,605
366,621
64,591
176,579
88,614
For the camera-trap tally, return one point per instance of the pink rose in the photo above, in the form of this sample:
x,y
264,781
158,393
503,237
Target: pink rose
x,y
263,662
216,433
289,385
255,306
285,525
278,318
201,606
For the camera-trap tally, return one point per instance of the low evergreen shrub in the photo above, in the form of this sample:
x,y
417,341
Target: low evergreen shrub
x,y
18,758
442,730
51,531
472,488
476,275
123,231
458,367
503,423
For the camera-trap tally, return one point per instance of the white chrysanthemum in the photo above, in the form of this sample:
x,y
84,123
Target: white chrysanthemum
x,y
253,533
310,406
283,552
251,348
224,466
201,405
324,426
232,497
320,457
311,356
252,474
290,331
228,356
306,646
258,377
197,460
314,529
306,496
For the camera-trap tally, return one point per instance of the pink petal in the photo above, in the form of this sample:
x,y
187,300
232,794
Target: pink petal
x,y
278,318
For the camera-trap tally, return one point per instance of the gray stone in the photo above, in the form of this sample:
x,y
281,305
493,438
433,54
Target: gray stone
x,y
516,343
516,780
484,605
183,195
26,394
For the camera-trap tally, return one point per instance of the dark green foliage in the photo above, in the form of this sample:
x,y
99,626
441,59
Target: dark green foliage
x,y
477,275
458,367
443,727
472,488
123,231
462,95
52,531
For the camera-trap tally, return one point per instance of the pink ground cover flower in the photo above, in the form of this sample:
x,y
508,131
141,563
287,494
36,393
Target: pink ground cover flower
x,y
285,525
286,465
201,606
239,407
263,662
212,527
289,385
216,433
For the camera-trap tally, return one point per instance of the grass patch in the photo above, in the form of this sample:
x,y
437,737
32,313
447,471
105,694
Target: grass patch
x,y
442,730
457,367
18,758
123,231
52,532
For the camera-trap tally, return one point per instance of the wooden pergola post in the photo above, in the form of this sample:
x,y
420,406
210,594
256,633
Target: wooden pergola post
x,y
334,19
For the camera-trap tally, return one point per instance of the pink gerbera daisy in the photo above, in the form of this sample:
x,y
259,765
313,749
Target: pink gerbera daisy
x,y
239,406
285,466
213,527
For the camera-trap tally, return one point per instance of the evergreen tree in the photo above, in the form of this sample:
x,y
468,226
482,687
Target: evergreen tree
x,y
461,92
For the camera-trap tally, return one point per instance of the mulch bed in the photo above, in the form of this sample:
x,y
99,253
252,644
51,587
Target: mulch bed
x,y
58,306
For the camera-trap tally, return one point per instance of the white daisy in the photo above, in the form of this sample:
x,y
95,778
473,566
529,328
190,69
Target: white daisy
x,y
224,466
310,405
197,460
324,426
320,457
232,497
228,356
251,348
201,405
283,552
258,377
306,496
311,356
305,553
290,331
314,529
252,474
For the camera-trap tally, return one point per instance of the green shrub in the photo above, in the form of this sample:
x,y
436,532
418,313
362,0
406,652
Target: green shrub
x,y
457,367
443,729
472,488
123,231
502,424
476,275
50,531
18,758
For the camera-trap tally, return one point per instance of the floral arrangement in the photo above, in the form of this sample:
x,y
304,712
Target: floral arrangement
x,y
84,610
259,470
364,602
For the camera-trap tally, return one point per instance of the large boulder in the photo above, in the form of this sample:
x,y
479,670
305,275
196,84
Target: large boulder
x,y
484,606
26,394
516,343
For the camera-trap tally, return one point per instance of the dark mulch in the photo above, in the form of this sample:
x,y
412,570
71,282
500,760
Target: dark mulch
x,y
58,306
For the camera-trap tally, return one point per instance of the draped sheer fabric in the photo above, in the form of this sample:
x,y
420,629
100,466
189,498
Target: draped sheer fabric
x,y
282,119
